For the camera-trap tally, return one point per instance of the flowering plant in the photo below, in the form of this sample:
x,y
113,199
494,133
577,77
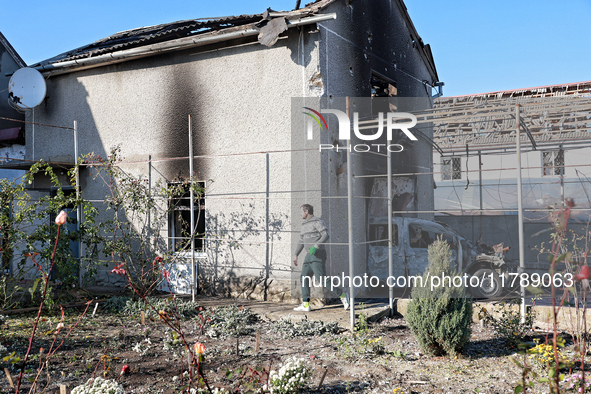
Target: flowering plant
x,y
291,377
575,383
99,386
543,354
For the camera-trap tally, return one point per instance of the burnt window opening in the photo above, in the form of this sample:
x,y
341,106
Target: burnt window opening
x,y
179,221
553,162
451,168
14,135
382,90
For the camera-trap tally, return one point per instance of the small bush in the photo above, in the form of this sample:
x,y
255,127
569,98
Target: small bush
x,y
99,386
291,377
226,321
543,355
359,346
115,304
186,309
304,328
8,293
440,319
507,324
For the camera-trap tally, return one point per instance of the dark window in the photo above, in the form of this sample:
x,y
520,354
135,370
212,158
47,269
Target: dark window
x,y
451,168
180,217
553,162
422,237
381,91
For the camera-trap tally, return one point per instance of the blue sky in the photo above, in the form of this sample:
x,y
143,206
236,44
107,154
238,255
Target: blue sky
x,y
478,46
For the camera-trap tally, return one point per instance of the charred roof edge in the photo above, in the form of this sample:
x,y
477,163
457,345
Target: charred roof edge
x,y
69,66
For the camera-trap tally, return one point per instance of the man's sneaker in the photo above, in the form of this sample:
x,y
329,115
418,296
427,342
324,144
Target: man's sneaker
x,y
302,308
345,300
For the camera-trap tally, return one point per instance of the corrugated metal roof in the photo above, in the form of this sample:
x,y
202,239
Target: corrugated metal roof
x,y
159,33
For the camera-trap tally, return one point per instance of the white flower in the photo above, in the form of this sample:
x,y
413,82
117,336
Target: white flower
x,y
99,386
292,376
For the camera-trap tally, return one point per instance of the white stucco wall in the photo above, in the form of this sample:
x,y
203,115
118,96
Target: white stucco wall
x,y
240,102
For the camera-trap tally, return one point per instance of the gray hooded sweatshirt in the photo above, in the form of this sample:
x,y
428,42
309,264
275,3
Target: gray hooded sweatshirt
x,y
312,233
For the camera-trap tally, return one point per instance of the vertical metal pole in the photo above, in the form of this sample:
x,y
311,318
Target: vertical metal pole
x,y
562,187
480,190
350,220
150,194
390,218
267,220
192,208
520,210
78,205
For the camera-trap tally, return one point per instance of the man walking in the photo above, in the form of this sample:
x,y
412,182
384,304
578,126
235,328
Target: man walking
x,y
313,235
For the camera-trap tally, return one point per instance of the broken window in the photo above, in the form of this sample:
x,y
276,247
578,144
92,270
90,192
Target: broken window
x,y
451,168
381,91
180,217
378,235
420,237
553,162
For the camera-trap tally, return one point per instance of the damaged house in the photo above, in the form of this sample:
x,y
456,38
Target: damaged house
x,y
243,80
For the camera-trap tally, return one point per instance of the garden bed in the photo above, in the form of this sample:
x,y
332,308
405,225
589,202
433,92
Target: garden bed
x,y
380,358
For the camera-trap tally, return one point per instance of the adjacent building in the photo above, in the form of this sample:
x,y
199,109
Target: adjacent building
x,y
476,165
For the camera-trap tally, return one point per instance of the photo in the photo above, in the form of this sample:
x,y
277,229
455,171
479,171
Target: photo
x,y
286,196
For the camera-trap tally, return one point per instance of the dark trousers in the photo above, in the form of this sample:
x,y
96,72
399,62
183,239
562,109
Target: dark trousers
x,y
314,266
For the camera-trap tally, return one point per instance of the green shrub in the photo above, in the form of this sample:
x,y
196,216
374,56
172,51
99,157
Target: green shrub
x,y
185,308
507,321
304,328
440,318
230,321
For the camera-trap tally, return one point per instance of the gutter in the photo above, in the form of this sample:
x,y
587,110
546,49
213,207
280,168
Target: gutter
x,y
168,46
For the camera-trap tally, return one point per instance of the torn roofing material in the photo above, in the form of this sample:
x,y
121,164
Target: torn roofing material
x,y
143,36
158,39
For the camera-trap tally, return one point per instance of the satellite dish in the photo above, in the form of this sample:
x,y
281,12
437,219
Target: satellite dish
x,y
27,88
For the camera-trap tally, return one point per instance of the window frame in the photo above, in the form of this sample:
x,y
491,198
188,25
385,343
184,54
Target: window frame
x,y
552,169
200,218
448,171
